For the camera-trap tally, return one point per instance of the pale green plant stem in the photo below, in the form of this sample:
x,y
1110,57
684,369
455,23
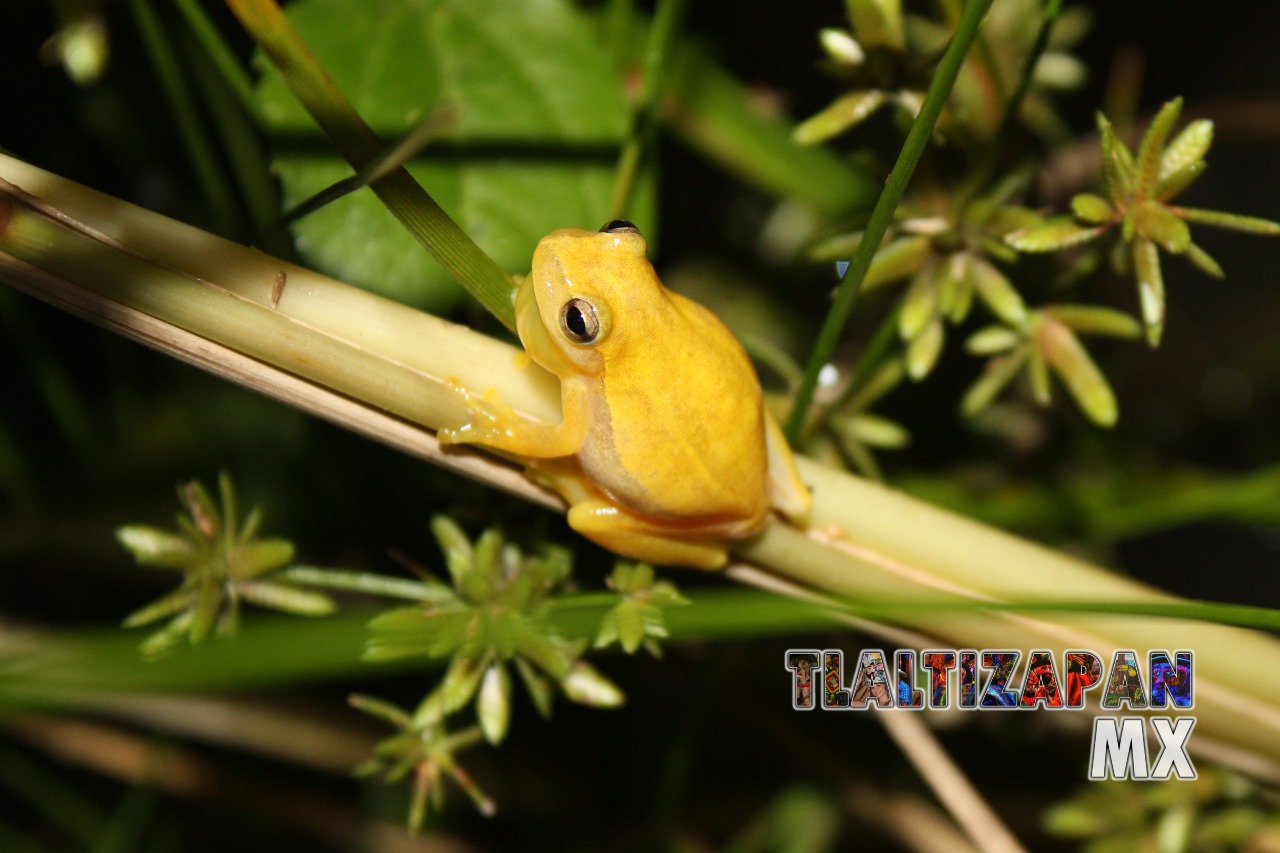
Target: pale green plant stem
x,y
863,542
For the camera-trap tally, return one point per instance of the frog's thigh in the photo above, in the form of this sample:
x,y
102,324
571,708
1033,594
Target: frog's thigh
x,y
615,529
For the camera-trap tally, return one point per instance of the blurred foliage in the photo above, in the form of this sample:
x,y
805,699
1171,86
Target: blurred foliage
x,y
162,104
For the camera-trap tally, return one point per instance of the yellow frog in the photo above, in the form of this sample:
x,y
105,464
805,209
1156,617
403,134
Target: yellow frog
x,y
665,449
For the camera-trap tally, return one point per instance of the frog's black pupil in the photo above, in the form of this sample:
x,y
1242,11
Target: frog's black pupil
x,y
575,321
619,225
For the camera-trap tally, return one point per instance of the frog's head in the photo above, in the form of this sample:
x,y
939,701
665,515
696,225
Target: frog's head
x,y
589,294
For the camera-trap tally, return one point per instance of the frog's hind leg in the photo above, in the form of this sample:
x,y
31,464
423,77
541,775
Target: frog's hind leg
x,y
564,476
613,528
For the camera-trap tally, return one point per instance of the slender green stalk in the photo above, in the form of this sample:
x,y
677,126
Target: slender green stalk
x,y
863,542
1009,121
182,103
666,23
358,144
715,114
917,138
248,161
872,355
229,67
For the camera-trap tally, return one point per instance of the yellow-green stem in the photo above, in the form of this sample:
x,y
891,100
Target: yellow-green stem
x,y
864,541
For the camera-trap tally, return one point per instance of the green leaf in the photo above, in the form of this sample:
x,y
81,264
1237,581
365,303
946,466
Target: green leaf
x,y
174,602
208,605
877,23
263,556
841,46
382,709
922,353
1152,148
1204,261
897,259
152,546
1079,372
1055,234
289,599
541,112
844,113
998,373
991,340
493,706
540,688
587,686
1157,222
459,684
455,545
1234,221
919,303
875,431
1038,375
204,514
1146,266
1092,208
168,636
1094,320
998,293
1178,181
1117,164
1186,151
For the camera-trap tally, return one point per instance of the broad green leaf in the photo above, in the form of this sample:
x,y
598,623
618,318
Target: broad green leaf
x,y
540,110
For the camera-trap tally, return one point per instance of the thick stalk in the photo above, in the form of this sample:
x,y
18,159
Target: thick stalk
x,y
864,542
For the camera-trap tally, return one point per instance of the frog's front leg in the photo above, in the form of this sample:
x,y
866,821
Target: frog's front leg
x,y
633,536
495,424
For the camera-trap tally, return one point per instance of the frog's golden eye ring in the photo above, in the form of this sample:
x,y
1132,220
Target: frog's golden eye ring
x,y
579,320
620,226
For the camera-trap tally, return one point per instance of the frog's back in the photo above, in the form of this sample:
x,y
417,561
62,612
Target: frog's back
x,y
685,423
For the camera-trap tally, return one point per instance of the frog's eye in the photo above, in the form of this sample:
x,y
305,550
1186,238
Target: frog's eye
x,y
579,321
620,226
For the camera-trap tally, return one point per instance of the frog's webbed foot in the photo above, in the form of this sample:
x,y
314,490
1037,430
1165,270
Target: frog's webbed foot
x,y
489,419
